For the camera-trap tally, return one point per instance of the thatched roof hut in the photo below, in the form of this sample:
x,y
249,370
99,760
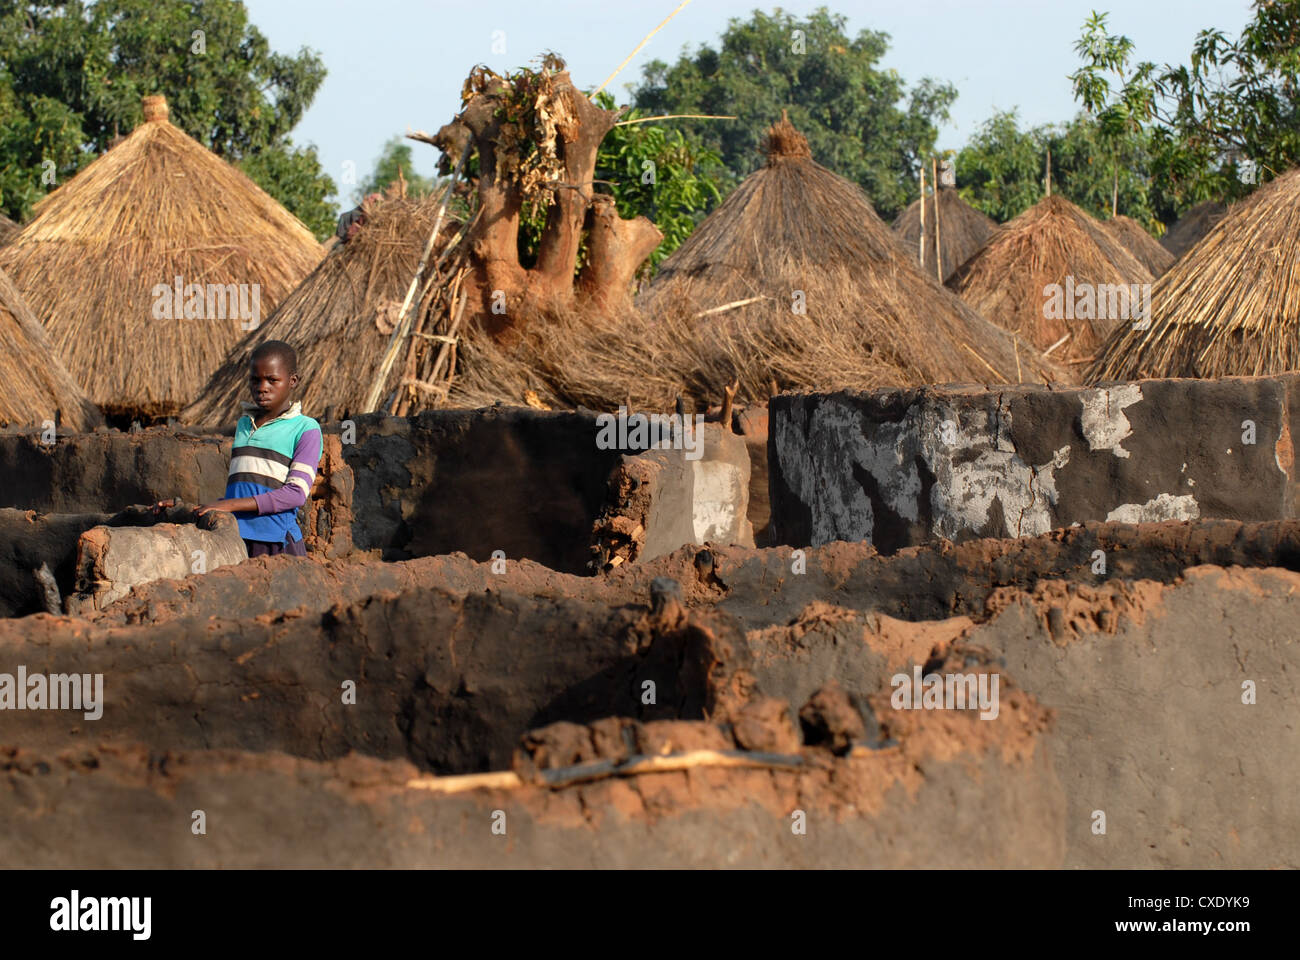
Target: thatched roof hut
x,y
144,266
1039,277
34,386
1141,244
1230,307
1192,227
794,278
339,319
962,230
8,229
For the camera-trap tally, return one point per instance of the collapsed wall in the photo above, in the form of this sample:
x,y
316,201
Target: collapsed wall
x,y
901,467
759,587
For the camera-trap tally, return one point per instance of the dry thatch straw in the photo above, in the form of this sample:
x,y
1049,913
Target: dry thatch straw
x,y
965,230
8,229
339,319
1051,243
795,234
1230,307
34,386
1192,227
1141,244
156,207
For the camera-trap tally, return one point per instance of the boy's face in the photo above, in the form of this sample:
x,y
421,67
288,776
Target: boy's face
x,y
270,384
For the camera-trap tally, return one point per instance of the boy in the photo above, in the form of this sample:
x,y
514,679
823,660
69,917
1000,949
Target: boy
x,y
274,459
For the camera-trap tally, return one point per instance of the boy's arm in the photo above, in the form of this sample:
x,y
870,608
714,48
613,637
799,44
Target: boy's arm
x,y
302,474
240,505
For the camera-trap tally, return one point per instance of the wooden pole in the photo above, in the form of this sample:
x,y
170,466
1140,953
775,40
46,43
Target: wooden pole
x,y
403,322
1047,171
938,249
921,250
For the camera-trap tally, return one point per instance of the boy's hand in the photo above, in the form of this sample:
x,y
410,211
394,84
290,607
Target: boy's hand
x,y
162,505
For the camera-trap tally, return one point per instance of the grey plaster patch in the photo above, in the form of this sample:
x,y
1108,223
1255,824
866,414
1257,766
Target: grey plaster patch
x,y
1163,507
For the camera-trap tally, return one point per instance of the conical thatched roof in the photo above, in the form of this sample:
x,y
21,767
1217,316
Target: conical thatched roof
x,y
339,319
1052,245
1192,226
8,229
962,230
34,386
99,260
795,235
1141,244
1231,306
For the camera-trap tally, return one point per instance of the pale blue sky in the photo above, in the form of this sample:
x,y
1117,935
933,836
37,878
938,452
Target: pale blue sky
x,y
399,64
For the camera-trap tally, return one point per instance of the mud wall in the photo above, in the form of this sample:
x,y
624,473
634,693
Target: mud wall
x,y
446,681
107,471
133,809
901,467
759,587
28,540
525,482
1164,707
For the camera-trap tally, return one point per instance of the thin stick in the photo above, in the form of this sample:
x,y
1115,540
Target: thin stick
x,y
446,348
676,116
983,361
728,398
496,780
1047,172
619,70
1049,350
938,248
399,332
728,306
1015,345
601,769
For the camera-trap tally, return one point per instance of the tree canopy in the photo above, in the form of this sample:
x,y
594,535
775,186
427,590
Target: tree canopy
x,y
861,120
72,75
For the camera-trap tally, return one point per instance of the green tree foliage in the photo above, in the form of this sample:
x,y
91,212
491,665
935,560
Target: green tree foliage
x,y
72,75
1234,106
396,155
1212,128
1001,170
656,171
860,119
1120,116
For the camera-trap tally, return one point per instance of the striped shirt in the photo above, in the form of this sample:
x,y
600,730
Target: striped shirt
x,y
275,464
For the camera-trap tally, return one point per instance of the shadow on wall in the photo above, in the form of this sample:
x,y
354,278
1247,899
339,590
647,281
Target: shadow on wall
x,y
525,483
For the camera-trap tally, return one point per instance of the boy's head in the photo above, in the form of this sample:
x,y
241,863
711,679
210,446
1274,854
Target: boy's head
x,y
272,376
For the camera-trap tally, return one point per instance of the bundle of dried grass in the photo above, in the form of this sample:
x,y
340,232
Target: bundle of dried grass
x,y
963,230
8,229
97,253
34,386
795,278
1230,307
340,319
1193,226
1051,246
1141,244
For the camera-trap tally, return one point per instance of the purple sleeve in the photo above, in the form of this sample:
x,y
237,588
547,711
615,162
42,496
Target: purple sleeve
x,y
302,474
